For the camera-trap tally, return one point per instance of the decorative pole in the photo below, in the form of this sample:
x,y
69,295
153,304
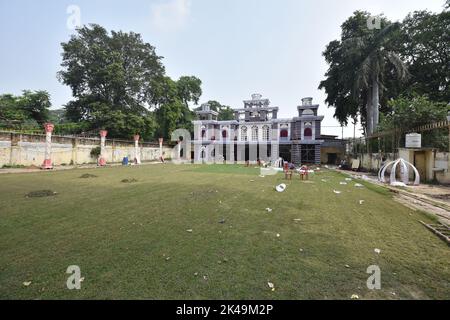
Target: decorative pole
x,y
137,156
161,158
102,158
48,146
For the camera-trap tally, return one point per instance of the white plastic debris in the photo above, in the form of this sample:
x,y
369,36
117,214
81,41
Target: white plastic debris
x,y
355,297
27,283
297,220
348,179
323,180
361,202
337,192
269,209
189,230
343,183
281,188
377,251
398,184
271,286
278,235
358,185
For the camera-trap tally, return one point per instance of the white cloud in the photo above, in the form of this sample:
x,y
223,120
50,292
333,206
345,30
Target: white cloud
x,y
170,15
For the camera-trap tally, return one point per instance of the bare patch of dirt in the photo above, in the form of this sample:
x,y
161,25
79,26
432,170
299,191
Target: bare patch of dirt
x,y
88,176
41,194
129,181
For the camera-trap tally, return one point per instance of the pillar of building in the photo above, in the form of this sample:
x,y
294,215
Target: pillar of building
x,y
137,152
48,146
102,158
275,151
231,148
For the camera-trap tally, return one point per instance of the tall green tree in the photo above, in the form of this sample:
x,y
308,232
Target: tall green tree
x,y
30,109
113,77
423,45
359,64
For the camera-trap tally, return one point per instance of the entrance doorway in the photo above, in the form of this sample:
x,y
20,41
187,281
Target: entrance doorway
x,y
421,165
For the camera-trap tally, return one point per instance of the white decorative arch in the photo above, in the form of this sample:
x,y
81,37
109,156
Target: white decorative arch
x,y
404,172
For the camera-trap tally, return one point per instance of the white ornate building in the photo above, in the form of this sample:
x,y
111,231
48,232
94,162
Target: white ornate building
x,y
257,133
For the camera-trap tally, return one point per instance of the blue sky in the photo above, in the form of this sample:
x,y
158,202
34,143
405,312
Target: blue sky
x,y
236,47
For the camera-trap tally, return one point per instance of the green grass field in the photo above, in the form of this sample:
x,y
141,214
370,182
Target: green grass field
x,y
131,240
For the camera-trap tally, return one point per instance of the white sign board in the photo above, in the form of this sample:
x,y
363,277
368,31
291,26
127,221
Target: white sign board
x,y
413,140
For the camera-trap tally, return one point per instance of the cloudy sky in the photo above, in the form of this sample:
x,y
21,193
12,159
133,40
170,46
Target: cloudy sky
x,y
236,47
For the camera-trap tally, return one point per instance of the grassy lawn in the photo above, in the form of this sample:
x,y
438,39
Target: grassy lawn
x,y
131,240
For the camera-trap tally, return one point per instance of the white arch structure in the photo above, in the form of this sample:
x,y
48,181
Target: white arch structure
x,y
404,172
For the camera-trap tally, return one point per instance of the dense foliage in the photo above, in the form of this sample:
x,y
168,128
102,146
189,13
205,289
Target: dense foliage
x,y
370,66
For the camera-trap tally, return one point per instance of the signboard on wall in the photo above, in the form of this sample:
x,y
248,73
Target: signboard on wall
x,y
413,140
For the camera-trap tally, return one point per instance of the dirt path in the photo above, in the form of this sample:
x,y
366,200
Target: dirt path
x,y
434,199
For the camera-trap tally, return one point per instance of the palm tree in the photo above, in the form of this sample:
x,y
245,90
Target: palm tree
x,y
373,56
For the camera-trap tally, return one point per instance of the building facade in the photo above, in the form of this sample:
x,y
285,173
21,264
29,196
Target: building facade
x,y
256,133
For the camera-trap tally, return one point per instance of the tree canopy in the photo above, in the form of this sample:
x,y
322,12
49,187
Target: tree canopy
x,y
29,109
370,66
119,84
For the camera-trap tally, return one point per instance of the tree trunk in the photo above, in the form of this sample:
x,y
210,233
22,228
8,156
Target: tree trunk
x,y
369,118
375,103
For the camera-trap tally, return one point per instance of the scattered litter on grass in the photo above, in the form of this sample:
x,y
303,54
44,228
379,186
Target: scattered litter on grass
x,y
377,251
348,179
222,221
269,209
168,258
301,250
205,278
278,235
281,188
361,202
398,184
81,279
323,180
261,176
41,194
27,283
271,286
252,180
88,176
337,192
359,185
196,274
343,183
297,220
189,230
129,181
355,297
347,266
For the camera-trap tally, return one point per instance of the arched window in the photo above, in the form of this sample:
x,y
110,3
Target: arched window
x,y
203,132
244,136
266,133
254,133
308,133
224,134
284,133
